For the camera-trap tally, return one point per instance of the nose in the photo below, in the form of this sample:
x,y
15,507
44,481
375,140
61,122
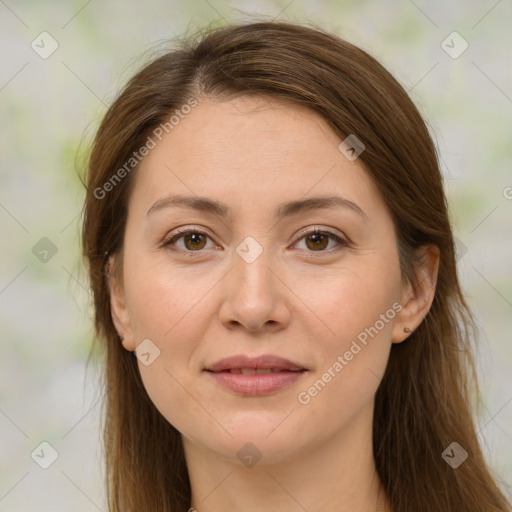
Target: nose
x,y
255,296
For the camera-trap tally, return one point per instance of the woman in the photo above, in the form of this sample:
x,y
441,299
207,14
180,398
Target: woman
x,y
266,230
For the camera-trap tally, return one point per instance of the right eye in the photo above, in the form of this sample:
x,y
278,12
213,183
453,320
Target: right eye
x,y
193,240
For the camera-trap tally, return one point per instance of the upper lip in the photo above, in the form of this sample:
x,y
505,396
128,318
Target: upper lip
x,y
258,363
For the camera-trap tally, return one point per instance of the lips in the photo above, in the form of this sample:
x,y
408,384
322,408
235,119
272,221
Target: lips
x,y
255,376
248,365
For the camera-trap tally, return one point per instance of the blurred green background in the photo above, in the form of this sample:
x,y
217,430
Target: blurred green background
x,y
54,88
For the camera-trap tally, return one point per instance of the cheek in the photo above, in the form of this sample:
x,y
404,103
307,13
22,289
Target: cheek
x,y
161,299
162,309
357,309
165,306
351,302
353,361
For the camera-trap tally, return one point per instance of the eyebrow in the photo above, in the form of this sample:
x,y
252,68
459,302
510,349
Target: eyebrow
x,y
289,209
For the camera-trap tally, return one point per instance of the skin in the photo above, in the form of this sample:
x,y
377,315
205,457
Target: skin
x,y
295,301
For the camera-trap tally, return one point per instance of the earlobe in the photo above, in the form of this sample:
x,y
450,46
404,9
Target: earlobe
x,y
417,300
128,344
118,309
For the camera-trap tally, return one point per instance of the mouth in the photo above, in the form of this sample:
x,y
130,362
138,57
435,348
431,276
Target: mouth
x,y
267,363
252,371
258,376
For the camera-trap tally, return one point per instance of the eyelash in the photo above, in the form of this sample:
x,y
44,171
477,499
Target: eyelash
x,y
180,234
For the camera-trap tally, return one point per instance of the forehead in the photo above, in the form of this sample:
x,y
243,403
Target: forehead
x,y
251,150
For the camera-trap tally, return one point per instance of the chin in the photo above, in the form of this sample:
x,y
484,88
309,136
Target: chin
x,y
269,438
250,450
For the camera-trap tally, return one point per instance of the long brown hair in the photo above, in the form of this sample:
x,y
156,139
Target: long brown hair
x,y
427,395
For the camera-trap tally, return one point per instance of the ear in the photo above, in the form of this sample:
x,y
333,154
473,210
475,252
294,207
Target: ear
x,y
416,300
118,309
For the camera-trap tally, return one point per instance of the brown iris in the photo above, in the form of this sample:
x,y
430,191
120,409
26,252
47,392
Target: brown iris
x,y
317,237
196,239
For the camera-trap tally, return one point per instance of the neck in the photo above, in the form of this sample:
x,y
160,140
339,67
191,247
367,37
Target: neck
x,y
337,474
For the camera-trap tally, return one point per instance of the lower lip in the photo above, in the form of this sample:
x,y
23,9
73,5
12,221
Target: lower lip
x,y
256,384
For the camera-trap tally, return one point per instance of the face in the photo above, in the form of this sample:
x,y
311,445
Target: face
x,y
256,280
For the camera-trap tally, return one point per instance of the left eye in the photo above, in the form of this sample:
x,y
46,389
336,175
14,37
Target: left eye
x,y
317,240
194,240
